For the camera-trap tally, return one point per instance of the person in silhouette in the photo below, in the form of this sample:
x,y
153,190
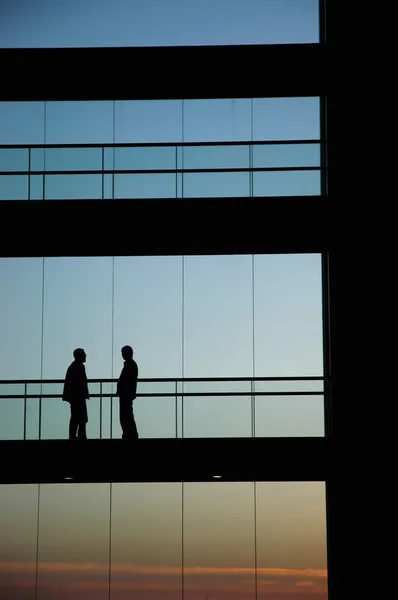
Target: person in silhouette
x,y
126,390
76,392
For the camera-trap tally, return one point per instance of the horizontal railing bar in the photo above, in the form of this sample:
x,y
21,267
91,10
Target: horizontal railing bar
x,y
171,379
172,395
162,171
168,144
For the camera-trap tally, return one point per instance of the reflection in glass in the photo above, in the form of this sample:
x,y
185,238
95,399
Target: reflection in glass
x,y
146,549
291,540
18,540
73,557
219,549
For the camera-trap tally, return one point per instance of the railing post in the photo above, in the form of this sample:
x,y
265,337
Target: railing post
x,y
253,407
24,411
111,404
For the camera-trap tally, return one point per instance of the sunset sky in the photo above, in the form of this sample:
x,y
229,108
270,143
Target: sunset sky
x,y
193,316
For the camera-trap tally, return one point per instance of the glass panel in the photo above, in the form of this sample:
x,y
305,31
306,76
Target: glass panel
x,y
218,318
176,23
146,545
144,158
79,122
291,540
74,541
73,159
298,385
37,159
149,121
200,387
287,183
286,155
73,187
289,416
36,187
215,157
288,315
14,159
219,549
217,416
18,541
11,418
55,415
13,187
159,185
148,316
21,122
286,118
32,419
218,120
80,318
217,185
20,317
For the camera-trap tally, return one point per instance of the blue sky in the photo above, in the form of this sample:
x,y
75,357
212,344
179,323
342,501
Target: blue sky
x,y
66,23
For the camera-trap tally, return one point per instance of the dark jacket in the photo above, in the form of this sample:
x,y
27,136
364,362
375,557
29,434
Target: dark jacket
x,y
127,382
75,386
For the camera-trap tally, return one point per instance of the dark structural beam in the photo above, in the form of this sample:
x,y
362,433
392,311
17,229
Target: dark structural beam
x,y
165,73
164,227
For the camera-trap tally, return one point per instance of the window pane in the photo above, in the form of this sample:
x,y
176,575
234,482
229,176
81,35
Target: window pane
x,y
218,317
146,541
13,187
73,159
291,540
288,315
73,187
286,155
14,159
20,317
142,158
21,122
217,185
289,416
18,540
219,550
286,183
148,121
286,118
159,185
79,122
219,120
215,157
74,541
158,23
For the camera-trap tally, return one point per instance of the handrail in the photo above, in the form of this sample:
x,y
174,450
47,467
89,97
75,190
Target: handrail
x,y
169,144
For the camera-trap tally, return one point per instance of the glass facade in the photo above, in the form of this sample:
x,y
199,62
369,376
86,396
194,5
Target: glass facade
x,y
234,316
163,540
160,149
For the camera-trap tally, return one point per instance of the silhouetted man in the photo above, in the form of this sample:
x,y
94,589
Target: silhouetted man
x,y
126,390
76,392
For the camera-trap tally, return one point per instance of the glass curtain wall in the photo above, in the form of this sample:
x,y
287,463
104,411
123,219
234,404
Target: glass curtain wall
x,y
163,541
186,317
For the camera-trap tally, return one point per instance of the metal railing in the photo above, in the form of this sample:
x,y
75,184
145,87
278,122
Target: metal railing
x,y
172,408
162,170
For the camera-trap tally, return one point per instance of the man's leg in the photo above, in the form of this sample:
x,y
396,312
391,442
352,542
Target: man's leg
x,y
72,428
81,433
133,425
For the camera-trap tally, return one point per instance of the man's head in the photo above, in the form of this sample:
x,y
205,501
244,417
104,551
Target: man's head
x,y
80,355
127,352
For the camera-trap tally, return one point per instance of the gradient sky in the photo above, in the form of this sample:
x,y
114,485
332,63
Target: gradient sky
x,y
66,23
185,316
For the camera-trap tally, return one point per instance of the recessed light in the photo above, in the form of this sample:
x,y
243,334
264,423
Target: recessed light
x,y
217,476
69,478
